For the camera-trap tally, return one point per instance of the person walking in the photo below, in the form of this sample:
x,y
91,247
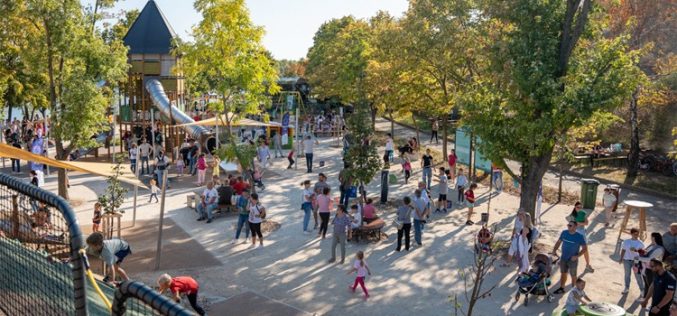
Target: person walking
x,y
427,166
256,215
160,166
263,154
661,291
360,266
308,149
609,201
434,127
307,205
629,249
452,163
390,147
470,202
655,250
153,191
442,188
277,145
144,151
406,166
181,285
324,208
580,216
242,205
573,246
420,209
318,188
404,220
345,184
341,223
133,155
461,182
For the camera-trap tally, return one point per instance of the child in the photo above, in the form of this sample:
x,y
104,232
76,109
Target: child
x,y
180,164
216,171
112,252
290,157
360,266
576,297
96,220
406,165
461,182
153,190
181,285
201,169
470,201
442,188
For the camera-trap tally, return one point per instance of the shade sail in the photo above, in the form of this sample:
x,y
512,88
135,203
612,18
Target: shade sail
x,y
97,168
221,121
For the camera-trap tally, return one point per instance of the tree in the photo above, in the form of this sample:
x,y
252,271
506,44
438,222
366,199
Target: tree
x,y
292,68
227,57
118,30
81,70
114,194
362,159
548,68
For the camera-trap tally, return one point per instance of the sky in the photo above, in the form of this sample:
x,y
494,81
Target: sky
x,y
289,24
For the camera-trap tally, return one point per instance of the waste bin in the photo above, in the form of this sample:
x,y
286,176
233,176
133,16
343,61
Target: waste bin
x,y
589,193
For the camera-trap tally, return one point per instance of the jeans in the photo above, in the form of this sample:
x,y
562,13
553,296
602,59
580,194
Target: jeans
x,y
193,165
309,162
461,193
153,195
336,240
145,160
406,231
242,221
324,218
418,231
206,210
192,299
427,176
159,173
307,209
17,163
133,165
627,268
345,197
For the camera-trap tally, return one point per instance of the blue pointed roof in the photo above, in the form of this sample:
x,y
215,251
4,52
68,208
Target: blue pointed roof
x,y
150,33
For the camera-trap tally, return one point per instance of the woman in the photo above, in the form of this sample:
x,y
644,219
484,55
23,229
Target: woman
x,y
256,215
324,208
580,216
521,237
369,211
404,217
307,205
655,250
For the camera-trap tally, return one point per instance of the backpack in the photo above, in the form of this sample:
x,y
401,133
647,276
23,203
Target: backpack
x,y
262,212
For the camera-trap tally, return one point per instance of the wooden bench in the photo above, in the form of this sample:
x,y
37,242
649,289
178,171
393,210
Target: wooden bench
x,y
371,229
618,161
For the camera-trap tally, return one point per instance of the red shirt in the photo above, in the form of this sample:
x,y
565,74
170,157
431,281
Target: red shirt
x,y
470,196
369,211
183,284
239,187
452,159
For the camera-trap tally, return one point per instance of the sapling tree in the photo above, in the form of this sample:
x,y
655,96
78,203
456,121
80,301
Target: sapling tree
x,y
115,193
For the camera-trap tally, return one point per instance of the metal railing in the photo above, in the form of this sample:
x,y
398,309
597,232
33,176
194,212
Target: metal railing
x,y
135,298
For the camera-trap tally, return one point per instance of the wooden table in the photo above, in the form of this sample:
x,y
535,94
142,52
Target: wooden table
x,y
632,205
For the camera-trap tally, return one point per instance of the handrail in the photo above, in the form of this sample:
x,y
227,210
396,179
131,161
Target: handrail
x,y
147,295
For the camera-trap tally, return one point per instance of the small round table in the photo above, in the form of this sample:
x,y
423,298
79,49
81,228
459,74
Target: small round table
x,y
629,206
601,309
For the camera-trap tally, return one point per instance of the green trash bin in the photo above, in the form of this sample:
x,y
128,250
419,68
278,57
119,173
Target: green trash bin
x,y
589,193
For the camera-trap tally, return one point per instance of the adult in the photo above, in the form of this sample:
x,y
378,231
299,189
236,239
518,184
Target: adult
x,y
661,291
256,215
670,244
420,209
277,145
427,168
655,250
443,189
629,249
308,150
318,188
345,184
160,166
144,151
240,185
208,203
242,205
461,182
609,201
387,157
497,177
133,155
573,245
404,219
470,202
307,205
369,211
413,144
341,222
434,127
452,163
225,192
181,285
15,140
324,209
263,154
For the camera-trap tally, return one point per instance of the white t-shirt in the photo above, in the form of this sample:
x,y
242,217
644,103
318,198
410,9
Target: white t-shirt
x,y
307,193
424,196
308,146
443,186
389,144
211,194
133,153
357,219
144,149
609,200
571,300
255,214
361,270
631,243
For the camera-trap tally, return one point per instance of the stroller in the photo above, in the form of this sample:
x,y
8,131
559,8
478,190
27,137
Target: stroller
x,y
537,280
483,241
257,176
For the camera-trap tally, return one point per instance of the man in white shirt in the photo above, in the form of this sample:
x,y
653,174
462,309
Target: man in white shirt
x,y
629,249
609,201
209,201
308,149
443,188
144,151
389,148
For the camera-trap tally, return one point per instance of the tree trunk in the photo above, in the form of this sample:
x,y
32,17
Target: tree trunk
x,y
444,137
392,124
633,156
60,153
559,189
532,174
373,110
418,133
9,112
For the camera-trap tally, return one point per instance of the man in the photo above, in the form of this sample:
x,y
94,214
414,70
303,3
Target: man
x,y
435,127
427,166
442,188
629,249
670,244
420,209
225,192
389,149
15,140
573,246
277,144
426,197
308,149
208,203
661,291
160,167
609,201
145,151
346,182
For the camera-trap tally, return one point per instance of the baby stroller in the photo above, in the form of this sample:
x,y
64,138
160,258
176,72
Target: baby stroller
x,y
257,176
483,241
537,280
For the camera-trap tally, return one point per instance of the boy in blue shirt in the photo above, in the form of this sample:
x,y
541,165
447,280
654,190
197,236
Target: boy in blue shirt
x,y
573,246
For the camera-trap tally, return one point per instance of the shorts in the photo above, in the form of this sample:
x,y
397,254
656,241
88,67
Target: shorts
x,y
571,309
122,254
443,197
568,266
468,204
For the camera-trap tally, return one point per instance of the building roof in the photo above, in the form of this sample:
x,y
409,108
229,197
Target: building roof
x,y
150,33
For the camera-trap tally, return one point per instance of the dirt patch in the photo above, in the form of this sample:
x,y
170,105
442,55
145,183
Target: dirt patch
x,y
270,226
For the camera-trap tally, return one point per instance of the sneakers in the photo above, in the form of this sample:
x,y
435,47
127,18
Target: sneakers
x,y
234,241
469,222
332,260
559,291
201,219
209,221
305,232
625,291
589,269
